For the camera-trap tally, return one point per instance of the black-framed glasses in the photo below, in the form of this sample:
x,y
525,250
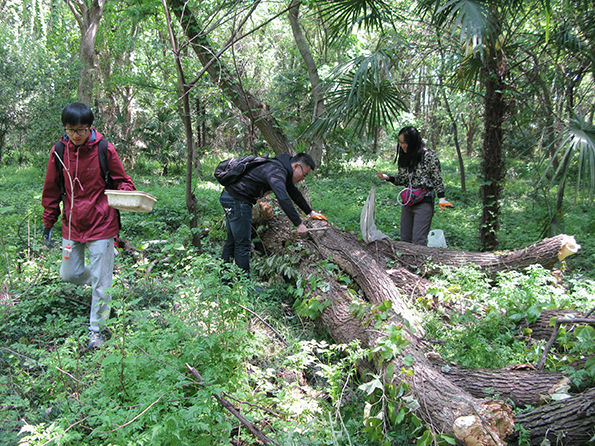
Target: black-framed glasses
x,y
80,132
304,174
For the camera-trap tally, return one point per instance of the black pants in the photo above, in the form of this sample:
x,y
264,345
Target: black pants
x,y
238,223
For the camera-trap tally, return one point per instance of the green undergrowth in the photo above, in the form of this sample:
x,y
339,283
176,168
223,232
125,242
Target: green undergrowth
x,y
257,343
485,322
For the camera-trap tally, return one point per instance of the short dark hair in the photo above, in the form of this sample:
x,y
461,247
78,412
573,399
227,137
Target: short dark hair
x,y
304,159
77,113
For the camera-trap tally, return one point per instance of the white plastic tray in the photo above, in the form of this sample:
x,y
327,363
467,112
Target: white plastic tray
x,y
133,201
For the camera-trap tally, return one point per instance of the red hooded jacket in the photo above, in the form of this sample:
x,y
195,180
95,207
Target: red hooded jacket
x,y
91,218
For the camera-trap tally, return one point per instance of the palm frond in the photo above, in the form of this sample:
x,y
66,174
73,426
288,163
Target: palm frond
x,y
576,144
473,17
468,72
565,36
363,95
340,16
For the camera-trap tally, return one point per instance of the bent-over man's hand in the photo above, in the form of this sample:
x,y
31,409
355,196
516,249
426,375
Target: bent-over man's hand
x,y
302,230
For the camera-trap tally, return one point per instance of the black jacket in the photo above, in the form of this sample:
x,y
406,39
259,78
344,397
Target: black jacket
x,y
275,175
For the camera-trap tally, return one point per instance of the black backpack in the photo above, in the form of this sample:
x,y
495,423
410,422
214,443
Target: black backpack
x,y
231,170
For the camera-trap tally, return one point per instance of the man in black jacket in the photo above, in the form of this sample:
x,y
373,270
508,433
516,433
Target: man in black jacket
x,y
279,175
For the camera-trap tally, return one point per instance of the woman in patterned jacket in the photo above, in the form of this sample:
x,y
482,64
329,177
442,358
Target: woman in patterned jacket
x,y
419,167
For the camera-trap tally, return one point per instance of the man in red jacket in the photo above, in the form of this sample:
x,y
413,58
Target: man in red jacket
x,y
87,220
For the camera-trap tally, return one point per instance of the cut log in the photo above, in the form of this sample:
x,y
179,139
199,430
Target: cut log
x,y
567,422
444,402
522,387
546,252
443,405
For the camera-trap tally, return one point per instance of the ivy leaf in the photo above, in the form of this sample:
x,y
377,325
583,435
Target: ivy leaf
x,y
372,385
426,439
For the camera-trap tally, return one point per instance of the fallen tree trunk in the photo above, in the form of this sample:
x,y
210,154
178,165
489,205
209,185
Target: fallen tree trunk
x,y
567,422
444,403
522,387
542,328
546,252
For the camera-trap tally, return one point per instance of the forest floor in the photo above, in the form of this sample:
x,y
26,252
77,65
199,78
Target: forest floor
x,y
257,343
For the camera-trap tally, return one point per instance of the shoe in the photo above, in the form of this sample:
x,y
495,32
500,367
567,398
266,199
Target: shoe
x,y
96,340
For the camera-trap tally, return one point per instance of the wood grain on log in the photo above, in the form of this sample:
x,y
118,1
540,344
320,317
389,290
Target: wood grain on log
x,y
522,387
546,252
567,422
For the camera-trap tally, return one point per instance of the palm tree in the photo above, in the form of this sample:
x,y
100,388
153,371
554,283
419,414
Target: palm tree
x,y
365,96
487,31
360,93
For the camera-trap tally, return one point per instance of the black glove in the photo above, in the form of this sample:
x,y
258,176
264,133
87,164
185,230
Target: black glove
x,y
47,237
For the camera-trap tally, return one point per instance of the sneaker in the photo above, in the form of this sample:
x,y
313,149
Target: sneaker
x,y
96,340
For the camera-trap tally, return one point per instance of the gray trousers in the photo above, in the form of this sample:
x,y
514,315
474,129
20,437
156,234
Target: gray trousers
x,y
415,222
98,274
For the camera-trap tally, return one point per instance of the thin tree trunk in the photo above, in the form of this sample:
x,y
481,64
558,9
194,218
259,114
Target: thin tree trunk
x,y
470,130
201,132
455,130
249,105
317,147
183,92
455,135
88,18
557,221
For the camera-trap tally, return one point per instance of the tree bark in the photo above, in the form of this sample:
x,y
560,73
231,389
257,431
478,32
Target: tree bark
x,y
317,147
542,329
522,387
492,163
88,18
257,110
567,422
546,252
451,401
183,93
443,405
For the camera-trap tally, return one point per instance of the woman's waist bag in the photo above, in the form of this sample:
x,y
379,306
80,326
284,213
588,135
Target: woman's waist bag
x,y
410,196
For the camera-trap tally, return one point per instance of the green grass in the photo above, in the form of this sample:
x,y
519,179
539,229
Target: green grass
x,y
180,313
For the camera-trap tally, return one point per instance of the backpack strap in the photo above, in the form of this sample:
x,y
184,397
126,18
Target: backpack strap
x,y
105,173
59,156
102,152
109,184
